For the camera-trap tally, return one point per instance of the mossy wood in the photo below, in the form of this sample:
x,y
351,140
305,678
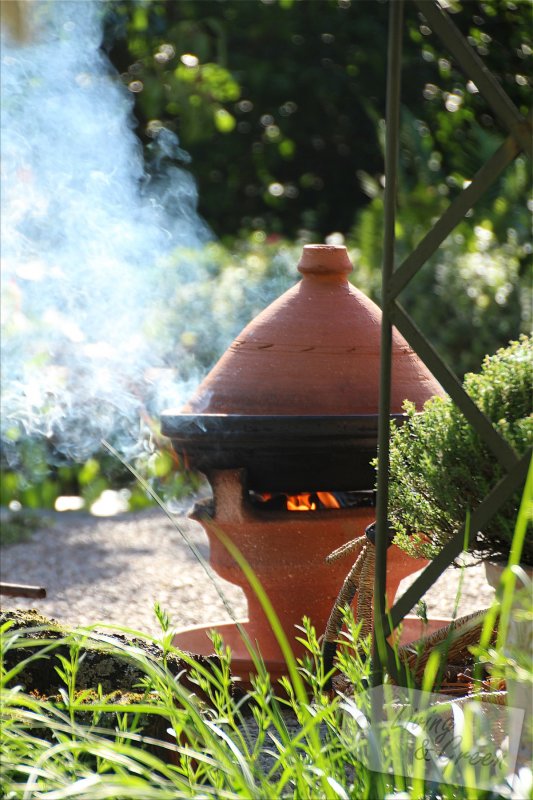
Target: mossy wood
x,y
107,662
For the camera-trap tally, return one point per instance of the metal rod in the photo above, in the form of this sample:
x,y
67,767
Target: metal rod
x,y
500,447
21,590
393,282
480,516
453,215
394,56
477,71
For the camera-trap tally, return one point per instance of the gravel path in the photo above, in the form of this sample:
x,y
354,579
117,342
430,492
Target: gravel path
x,y
112,570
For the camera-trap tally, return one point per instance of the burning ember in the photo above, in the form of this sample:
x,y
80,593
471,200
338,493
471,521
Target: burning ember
x,y
312,501
306,502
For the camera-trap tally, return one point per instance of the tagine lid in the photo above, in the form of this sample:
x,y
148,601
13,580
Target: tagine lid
x,y
314,351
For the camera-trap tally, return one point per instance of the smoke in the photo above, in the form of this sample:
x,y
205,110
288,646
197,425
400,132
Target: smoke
x,y
100,264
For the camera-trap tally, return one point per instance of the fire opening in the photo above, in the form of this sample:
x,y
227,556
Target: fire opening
x,y
312,501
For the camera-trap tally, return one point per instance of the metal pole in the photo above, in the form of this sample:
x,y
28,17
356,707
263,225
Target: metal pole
x,y
394,57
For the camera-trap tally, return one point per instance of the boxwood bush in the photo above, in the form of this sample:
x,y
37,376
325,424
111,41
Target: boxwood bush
x,y
440,469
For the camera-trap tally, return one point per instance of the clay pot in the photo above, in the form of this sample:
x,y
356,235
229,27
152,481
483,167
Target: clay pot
x,y
287,552
315,350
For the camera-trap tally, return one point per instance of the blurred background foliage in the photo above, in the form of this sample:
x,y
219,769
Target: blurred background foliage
x,y
279,103
279,106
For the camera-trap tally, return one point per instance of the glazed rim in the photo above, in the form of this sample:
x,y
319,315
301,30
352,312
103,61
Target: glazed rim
x,y
280,453
220,427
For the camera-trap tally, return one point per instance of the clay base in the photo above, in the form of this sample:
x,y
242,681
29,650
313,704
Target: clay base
x,y
196,640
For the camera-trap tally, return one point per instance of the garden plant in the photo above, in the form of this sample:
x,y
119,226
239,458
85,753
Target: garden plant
x,y
440,469
161,739
283,154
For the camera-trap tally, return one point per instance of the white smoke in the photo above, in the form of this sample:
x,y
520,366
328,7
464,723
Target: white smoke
x,y
94,256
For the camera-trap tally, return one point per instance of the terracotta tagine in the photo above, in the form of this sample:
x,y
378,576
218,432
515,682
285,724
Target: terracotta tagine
x,y
288,553
315,350
313,357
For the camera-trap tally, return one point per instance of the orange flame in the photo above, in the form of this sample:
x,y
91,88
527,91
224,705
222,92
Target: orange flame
x,y
306,501
300,502
303,502
328,500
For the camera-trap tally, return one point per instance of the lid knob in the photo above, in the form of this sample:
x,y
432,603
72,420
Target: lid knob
x,y
325,259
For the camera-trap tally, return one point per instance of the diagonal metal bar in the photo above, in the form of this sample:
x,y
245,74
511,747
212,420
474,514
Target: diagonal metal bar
x,y
500,448
394,282
453,215
439,21
480,516
394,62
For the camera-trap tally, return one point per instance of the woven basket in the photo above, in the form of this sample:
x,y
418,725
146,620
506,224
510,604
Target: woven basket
x,y
456,672
453,641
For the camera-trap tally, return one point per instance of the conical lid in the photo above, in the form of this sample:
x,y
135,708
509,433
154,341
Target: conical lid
x,y
314,351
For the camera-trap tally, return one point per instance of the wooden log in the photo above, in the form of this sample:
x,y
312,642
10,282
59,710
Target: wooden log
x,y
101,664
22,590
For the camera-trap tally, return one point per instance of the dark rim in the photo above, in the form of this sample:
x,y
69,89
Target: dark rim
x,y
226,426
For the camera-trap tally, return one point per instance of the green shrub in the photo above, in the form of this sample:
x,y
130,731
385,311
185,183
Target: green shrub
x,y
440,468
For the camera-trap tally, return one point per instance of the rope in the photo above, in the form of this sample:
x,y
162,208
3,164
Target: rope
x,y
366,591
361,575
354,546
454,639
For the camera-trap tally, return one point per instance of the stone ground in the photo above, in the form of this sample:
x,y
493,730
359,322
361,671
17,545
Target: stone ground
x,y
111,570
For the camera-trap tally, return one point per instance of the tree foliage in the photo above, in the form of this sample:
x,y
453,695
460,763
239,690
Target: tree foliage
x,y
279,102
280,106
